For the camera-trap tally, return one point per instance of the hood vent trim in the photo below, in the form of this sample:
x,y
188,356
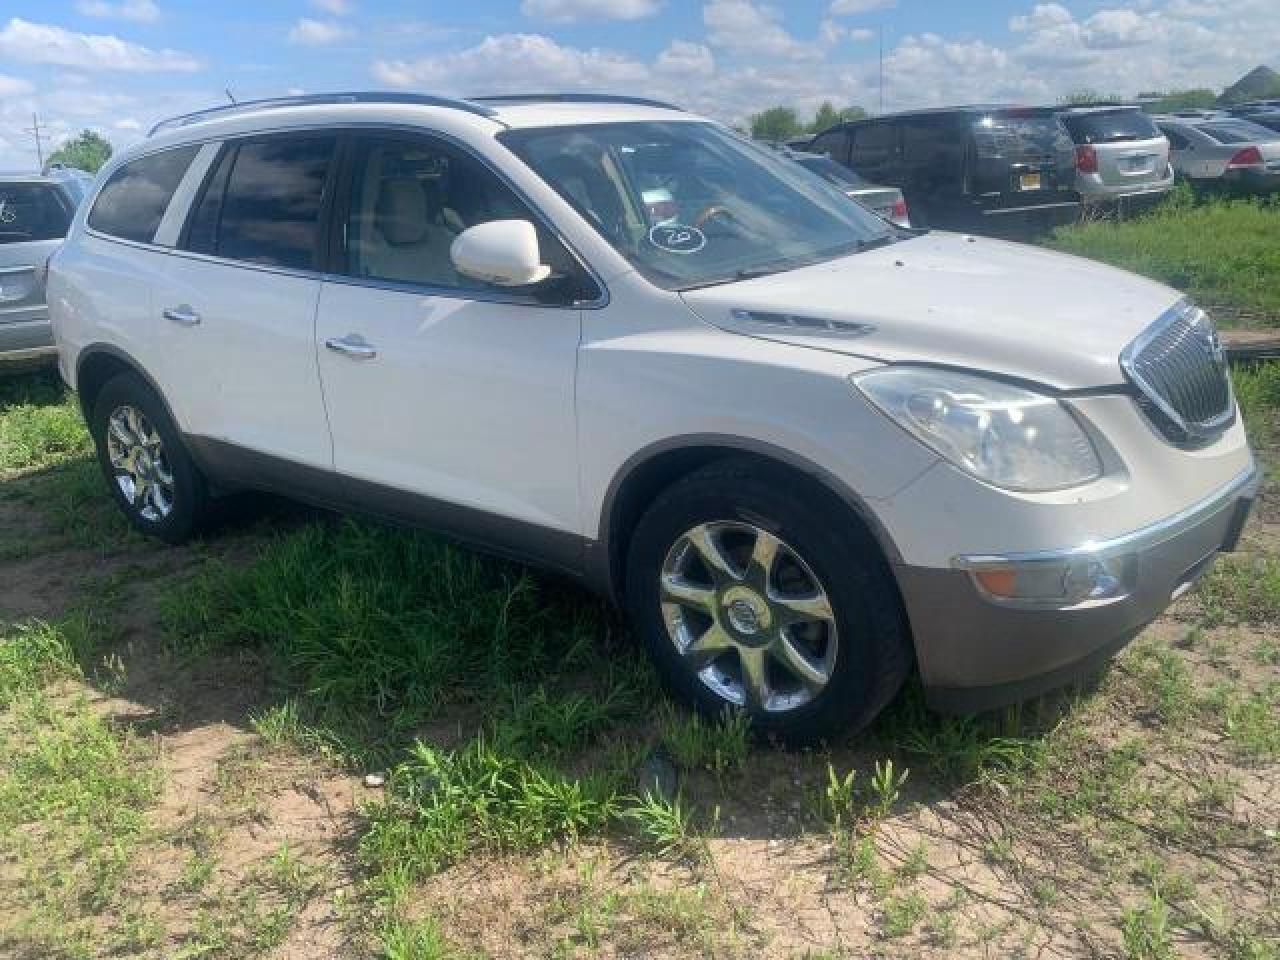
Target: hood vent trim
x,y
793,324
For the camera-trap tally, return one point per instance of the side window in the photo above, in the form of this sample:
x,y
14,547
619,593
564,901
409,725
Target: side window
x,y
262,202
834,143
873,144
131,204
409,199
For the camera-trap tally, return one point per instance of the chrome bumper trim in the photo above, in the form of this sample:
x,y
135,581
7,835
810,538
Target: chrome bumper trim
x,y
1136,541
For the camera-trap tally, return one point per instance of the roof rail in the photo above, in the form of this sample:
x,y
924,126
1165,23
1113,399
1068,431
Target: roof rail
x,y
309,99
514,98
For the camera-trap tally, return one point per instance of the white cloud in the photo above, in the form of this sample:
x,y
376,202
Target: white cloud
x,y
29,42
830,32
849,8
569,11
14,86
129,125
514,62
316,33
1043,16
684,59
335,8
752,29
862,34
140,11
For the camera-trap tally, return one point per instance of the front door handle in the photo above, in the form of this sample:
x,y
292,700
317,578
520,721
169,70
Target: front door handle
x,y
352,346
183,316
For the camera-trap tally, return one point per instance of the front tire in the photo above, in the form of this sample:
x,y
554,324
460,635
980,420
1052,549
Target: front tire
x,y
753,590
148,469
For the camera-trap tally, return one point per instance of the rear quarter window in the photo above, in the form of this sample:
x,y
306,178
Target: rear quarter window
x,y
31,212
1018,136
1238,132
1117,126
132,202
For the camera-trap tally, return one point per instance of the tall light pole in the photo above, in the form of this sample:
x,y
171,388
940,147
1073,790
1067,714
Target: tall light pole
x,y
882,69
39,136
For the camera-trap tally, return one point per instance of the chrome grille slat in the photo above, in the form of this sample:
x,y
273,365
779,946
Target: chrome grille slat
x,y
1180,372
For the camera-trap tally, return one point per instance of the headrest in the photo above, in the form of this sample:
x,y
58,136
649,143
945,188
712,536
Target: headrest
x,y
402,211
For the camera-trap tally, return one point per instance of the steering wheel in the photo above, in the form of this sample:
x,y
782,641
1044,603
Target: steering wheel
x,y
711,213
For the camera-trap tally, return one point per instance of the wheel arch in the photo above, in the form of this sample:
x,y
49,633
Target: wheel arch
x,y
97,364
651,470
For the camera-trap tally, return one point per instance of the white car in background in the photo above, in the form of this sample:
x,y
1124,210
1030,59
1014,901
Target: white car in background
x,y
803,448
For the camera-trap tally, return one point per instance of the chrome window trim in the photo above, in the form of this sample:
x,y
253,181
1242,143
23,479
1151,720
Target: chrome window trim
x,y
374,126
1198,433
1245,484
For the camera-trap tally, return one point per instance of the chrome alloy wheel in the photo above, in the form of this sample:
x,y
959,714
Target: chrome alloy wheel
x,y
749,616
141,468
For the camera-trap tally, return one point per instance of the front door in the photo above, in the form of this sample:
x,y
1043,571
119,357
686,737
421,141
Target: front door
x,y
450,401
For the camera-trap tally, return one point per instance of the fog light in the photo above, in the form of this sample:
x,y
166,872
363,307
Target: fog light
x,y
1058,582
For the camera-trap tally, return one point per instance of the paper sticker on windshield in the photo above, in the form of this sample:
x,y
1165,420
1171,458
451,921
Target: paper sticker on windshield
x,y
677,238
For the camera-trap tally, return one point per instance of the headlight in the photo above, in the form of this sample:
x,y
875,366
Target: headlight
x,y
1008,436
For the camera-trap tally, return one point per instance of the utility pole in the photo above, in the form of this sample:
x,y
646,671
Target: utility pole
x,y
39,135
882,69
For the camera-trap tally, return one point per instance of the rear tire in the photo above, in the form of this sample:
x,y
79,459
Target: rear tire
x,y
801,625
147,467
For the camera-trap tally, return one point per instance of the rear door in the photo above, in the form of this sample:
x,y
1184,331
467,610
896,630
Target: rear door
x,y
236,303
34,216
1022,158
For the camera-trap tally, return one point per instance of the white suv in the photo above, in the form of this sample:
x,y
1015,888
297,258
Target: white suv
x,y
803,447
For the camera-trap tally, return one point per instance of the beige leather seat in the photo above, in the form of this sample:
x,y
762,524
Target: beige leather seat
x,y
405,242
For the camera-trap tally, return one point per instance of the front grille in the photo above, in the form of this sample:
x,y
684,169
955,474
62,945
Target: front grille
x,y
1180,371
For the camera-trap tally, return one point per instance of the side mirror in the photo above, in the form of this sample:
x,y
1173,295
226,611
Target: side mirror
x,y
502,252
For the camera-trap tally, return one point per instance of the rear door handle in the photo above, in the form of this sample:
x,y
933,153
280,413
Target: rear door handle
x,y
352,346
183,316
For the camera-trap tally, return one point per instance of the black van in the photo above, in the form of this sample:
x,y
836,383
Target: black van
x,y
999,170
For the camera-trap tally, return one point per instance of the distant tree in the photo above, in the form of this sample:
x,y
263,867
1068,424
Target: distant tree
x,y
776,123
1200,98
1089,98
828,116
86,151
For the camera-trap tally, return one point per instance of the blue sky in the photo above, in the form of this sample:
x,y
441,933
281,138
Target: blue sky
x,y
118,65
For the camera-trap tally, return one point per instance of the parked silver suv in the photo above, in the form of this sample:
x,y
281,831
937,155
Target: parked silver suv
x,y
1122,158
35,212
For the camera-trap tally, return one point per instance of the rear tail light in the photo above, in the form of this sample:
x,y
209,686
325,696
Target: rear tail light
x,y
899,214
1248,157
1086,158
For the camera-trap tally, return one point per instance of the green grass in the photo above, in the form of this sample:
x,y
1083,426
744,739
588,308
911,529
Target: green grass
x,y
40,424
74,791
1219,251
387,625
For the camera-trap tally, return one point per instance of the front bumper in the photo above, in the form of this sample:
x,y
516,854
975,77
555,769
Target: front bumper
x,y
977,652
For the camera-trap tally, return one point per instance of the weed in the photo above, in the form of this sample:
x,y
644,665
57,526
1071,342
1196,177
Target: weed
x,y
40,424
1241,589
1253,724
902,914
442,804
668,826
1146,930
838,799
719,745
414,940
35,654
886,787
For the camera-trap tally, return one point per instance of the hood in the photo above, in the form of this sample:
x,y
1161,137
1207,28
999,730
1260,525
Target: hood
x,y
982,304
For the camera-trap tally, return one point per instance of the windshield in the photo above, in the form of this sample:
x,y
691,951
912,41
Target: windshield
x,y
1238,131
832,172
691,204
1110,126
32,211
